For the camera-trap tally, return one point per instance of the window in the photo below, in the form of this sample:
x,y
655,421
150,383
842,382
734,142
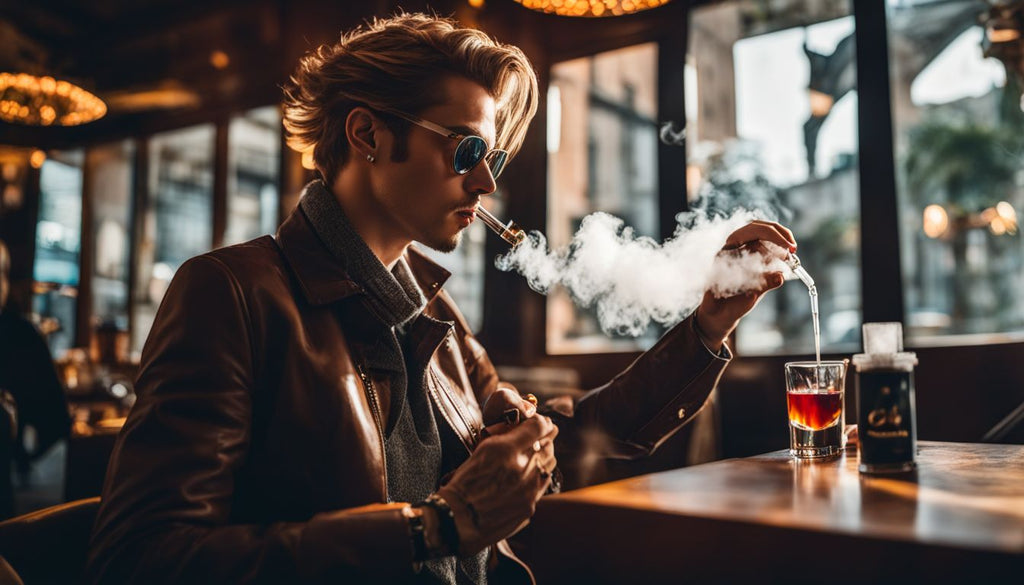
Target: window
x,y
774,127
174,217
178,221
111,195
958,147
254,158
58,244
602,156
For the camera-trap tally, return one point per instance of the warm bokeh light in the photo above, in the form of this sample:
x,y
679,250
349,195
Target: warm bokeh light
x,y
168,96
37,159
219,59
821,103
1006,211
997,226
936,221
44,101
591,8
476,3
693,181
9,171
1003,35
1005,220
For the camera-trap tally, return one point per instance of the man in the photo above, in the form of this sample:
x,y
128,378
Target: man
x,y
310,406
33,392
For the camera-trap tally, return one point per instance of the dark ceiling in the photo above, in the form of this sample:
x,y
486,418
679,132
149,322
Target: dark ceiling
x,y
155,62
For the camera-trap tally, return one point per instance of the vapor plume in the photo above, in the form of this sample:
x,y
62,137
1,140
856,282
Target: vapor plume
x,y
633,280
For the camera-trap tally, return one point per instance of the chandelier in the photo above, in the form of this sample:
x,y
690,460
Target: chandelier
x,y
45,101
591,7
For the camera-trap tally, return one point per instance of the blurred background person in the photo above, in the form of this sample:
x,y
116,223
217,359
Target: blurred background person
x,y
28,376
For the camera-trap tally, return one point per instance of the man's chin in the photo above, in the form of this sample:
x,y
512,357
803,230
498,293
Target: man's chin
x,y
444,244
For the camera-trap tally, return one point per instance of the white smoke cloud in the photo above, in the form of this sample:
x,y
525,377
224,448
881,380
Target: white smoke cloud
x,y
633,280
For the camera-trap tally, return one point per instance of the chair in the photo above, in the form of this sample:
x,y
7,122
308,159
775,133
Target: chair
x,y
8,433
49,545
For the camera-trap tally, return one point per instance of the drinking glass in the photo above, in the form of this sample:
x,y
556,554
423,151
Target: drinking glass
x,y
814,398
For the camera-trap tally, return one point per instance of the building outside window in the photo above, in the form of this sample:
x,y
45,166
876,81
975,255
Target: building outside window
x,y
112,175
178,220
602,156
959,148
772,108
58,246
254,160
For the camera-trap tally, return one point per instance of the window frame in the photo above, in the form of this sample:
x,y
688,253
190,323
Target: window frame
x,y
517,336
140,200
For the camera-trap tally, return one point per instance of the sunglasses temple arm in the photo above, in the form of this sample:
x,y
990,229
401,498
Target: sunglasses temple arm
x,y
511,233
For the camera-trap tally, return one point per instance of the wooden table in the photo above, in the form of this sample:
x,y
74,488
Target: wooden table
x,y
771,519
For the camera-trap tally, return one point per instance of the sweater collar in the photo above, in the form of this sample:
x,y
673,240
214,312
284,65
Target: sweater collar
x,y
394,295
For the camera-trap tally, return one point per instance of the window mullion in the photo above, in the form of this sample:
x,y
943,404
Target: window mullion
x,y
881,280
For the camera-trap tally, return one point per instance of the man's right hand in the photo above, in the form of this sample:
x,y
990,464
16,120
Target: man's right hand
x,y
498,404
717,317
495,492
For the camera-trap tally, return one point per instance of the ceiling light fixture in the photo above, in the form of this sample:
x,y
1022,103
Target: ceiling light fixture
x,y
45,101
591,8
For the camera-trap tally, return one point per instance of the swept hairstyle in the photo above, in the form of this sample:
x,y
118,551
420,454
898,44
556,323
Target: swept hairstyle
x,y
399,63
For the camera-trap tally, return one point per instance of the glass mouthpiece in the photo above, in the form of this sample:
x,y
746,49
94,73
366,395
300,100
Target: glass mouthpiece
x,y
794,264
510,232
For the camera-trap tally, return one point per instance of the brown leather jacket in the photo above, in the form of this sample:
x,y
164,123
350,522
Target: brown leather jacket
x,y
255,452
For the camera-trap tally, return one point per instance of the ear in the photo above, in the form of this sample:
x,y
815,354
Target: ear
x,y
361,128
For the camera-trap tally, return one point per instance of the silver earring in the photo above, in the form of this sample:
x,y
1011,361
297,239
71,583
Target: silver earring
x,y
370,158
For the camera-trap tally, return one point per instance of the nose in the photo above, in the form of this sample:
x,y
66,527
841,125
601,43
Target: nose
x,y
479,180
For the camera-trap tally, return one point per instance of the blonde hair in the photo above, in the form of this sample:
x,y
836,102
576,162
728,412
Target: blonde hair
x,y
399,63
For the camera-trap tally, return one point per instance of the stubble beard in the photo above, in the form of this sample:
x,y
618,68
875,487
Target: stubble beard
x,y
445,245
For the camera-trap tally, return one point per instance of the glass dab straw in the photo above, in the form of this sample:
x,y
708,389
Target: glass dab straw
x,y
511,233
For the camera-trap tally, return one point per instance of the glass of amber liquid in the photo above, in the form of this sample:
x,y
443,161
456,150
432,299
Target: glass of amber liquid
x,y
814,398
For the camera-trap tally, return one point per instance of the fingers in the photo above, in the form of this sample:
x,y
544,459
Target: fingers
x,y
501,401
530,439
524,439
536,429
545,462
506,408
772,228
769,250
764,231
496,490
541,453
772,280
741,303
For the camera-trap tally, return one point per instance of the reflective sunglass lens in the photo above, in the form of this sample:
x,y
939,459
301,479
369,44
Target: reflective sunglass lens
x,y
468,153
496,161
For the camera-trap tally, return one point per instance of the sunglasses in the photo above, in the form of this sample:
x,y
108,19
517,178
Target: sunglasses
x,y
470,151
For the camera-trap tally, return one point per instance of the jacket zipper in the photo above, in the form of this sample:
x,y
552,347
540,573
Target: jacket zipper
x,y
375,408
458,409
